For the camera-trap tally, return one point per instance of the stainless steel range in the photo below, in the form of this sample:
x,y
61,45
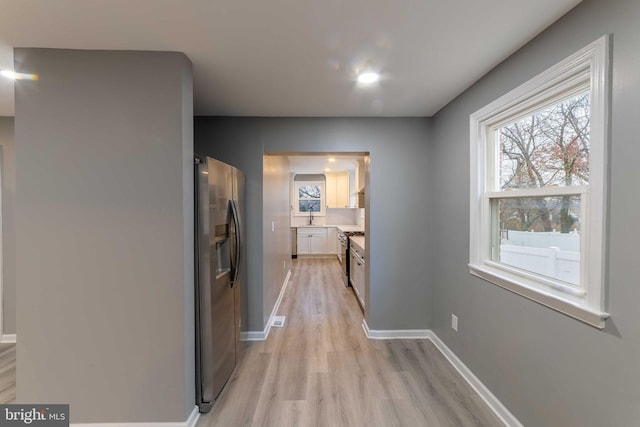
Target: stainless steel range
x,y
344,257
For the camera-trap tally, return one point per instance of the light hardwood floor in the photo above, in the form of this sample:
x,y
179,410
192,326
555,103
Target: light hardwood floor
x,y
7,373
321,370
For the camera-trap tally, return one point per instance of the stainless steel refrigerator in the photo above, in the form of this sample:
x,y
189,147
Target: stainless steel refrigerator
x,y
220,273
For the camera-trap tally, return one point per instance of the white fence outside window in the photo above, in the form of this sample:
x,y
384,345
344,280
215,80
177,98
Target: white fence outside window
x,y
562,241
551,254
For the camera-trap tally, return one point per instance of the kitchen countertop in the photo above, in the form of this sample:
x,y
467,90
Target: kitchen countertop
x,y
358,240
346,228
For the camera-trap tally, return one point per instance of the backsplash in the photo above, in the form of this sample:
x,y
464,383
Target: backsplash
x,y
343,216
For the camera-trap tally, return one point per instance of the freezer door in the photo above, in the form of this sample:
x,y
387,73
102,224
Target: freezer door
x,y
223,349
240,302
216,309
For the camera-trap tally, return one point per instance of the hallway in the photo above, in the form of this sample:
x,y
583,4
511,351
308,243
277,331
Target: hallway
x,y
321,370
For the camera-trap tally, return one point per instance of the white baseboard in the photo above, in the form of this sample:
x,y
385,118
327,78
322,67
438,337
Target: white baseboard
x,y
485,394
373,334
8,338
194,416
253,335
262,335
190,422
492,401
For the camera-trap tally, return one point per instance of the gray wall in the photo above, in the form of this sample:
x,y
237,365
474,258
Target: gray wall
x,y
548,369
8,226
228,140
398,193
104,225
276,244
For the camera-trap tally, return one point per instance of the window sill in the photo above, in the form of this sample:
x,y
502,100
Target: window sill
x,y
563,305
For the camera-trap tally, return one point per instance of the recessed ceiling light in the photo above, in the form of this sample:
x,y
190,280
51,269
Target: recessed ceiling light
x,y
331,159
327,169
18,76
368,78
8,74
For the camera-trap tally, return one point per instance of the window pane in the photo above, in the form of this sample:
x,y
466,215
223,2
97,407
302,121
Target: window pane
x,y
547,148
539,234
309,206
309,192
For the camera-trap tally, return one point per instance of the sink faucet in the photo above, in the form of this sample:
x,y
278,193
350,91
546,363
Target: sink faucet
x,y
310,218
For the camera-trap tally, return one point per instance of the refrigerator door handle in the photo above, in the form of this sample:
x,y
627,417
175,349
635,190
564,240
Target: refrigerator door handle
x,y
235,262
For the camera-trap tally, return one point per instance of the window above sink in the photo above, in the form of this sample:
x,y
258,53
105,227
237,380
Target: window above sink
x,y
309,198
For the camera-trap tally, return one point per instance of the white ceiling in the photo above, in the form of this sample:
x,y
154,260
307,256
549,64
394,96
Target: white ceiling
x,y
318,163
294,58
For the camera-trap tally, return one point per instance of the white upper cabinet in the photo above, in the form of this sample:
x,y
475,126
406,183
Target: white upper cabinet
x,y
342,190
332,182
337,190
360,173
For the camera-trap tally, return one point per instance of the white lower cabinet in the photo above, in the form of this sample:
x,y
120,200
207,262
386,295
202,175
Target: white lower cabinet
x,y
312,241
353,271
356,272
318,243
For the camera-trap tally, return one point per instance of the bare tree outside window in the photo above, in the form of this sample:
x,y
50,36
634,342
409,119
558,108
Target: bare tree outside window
x,y
309,192
549,148
309,198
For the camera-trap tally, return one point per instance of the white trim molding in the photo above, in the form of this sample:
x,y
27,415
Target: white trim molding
x,y
262,335
8,339
193,417
322,200
396,334
190,422
485,394
255,335
585,71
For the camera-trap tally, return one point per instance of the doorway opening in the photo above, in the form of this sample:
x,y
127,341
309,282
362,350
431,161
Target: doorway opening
x,y
320,200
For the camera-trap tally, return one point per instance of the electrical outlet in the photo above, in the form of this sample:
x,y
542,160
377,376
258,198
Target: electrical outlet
x,y
454,322
273,226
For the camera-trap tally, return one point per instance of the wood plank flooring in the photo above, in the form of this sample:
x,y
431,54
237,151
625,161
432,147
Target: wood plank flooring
x,y
7,373
321,370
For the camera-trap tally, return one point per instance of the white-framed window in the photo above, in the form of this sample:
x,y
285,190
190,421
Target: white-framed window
x,y
538,186
309,198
